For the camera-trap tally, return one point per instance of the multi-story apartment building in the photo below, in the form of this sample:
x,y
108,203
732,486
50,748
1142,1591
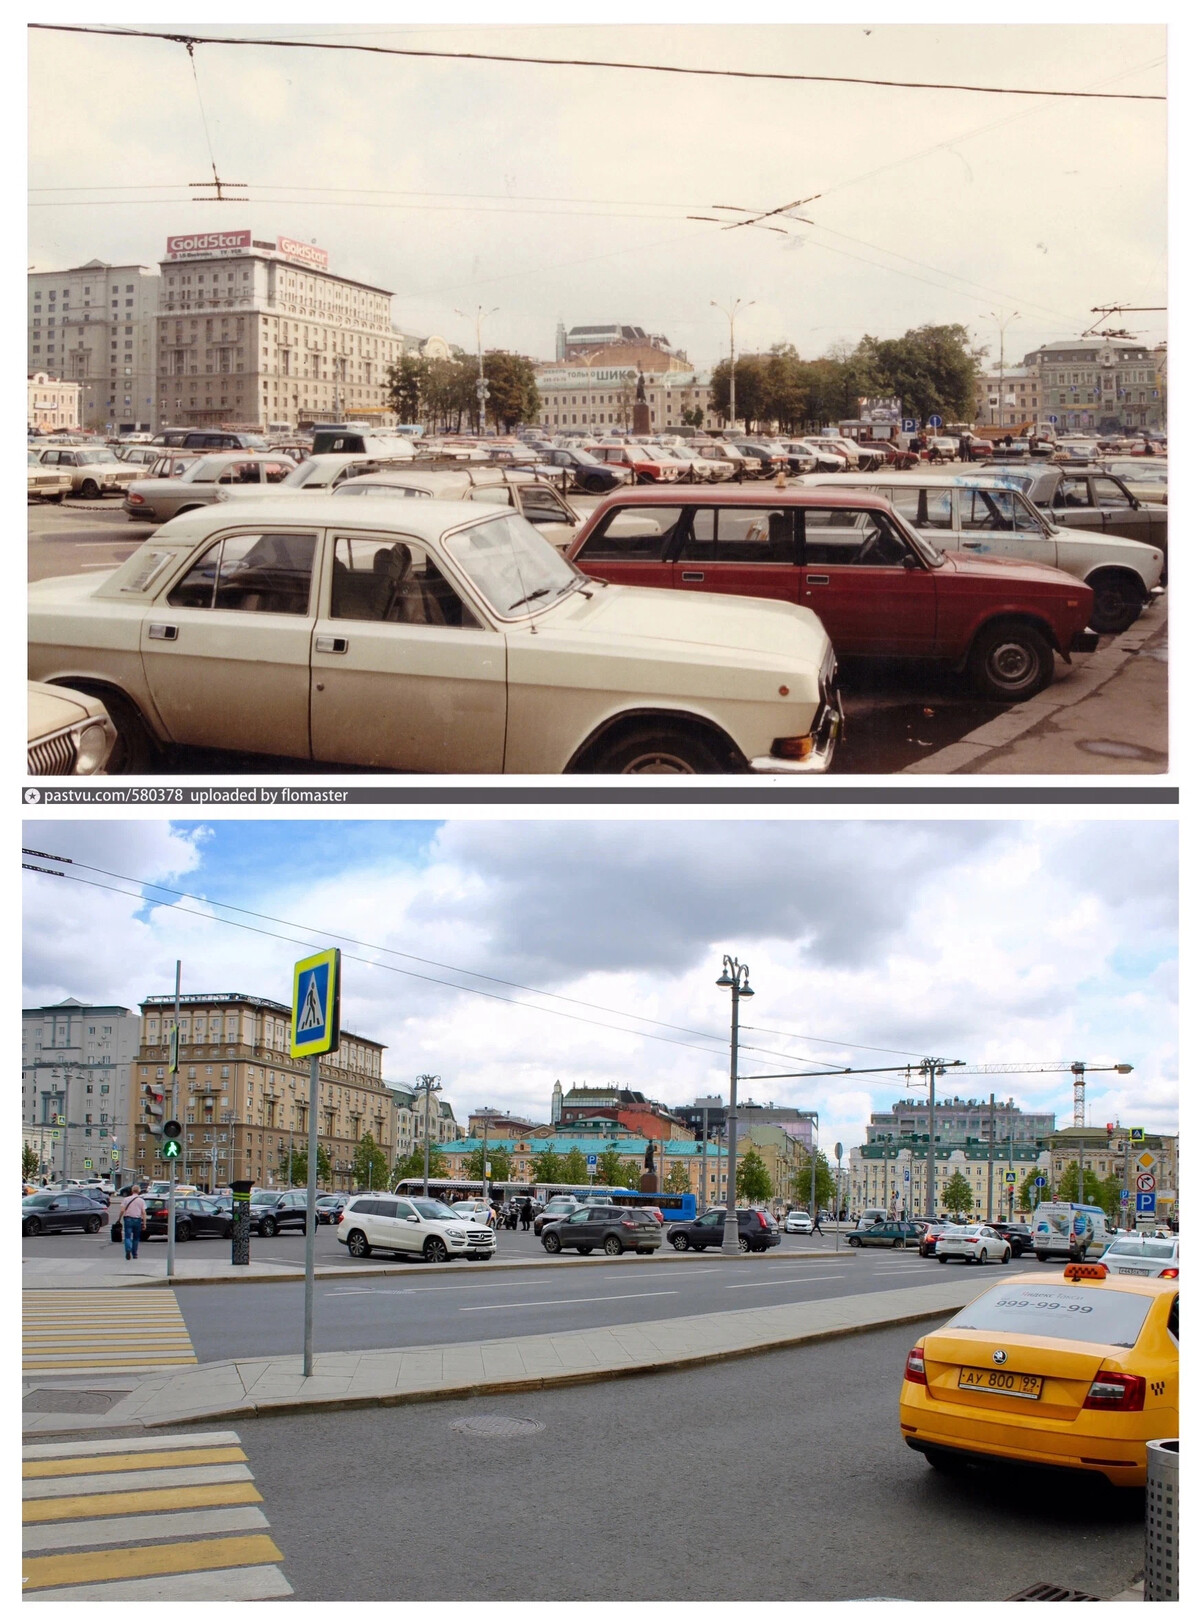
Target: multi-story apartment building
x,y
895,1177
958,1120
599,397
94,325
1100,384
261,332
75,1060
1008,399
243,1100
52,403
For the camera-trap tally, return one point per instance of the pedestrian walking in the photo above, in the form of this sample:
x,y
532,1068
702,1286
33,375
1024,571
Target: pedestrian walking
x,y
526,1215
133,1215
816,1225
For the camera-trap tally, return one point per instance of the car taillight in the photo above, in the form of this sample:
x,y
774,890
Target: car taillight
x,y
134,499
762,1221
971,1239
342,1215
628,1223
914,1369
1116,1391
1169,1273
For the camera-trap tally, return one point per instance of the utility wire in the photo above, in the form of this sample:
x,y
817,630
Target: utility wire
x,y
191,40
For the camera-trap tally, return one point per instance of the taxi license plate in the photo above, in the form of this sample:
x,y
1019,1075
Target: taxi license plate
x,y
1129,1270
1001,1380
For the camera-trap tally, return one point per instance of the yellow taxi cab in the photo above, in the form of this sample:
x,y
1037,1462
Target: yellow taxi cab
x,y
1079,1371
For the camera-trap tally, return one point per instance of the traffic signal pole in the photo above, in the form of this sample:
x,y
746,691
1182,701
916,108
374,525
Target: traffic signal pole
x,y
174,1117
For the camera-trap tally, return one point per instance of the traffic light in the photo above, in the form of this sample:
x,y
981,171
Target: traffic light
x,y
172,1144
154,1104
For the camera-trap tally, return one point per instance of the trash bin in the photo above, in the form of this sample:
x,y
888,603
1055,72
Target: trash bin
x,y
1162,1519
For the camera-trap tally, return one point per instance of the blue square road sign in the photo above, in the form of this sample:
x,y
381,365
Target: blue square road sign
x,y
316,1004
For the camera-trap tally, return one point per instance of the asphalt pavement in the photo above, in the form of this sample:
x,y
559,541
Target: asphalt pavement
x,y
780,1477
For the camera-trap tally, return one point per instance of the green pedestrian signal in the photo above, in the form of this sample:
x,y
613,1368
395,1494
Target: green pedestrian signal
x,y
170,1149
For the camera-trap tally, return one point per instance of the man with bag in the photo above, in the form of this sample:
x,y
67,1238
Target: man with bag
x,y
133,1215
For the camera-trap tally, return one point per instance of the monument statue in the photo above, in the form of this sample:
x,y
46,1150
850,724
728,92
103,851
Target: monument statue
x,y
648,1182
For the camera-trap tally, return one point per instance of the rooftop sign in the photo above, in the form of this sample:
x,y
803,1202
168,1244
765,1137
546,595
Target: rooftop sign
x,y
207,244
306,252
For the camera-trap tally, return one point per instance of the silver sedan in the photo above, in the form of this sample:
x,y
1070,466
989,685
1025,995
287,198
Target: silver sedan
x,y
153,501
973,1242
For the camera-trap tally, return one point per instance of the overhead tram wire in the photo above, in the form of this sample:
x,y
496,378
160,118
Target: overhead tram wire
x,y
415,958
751,74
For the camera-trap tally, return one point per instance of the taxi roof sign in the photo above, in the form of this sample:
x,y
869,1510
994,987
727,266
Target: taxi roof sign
x,y
316,1004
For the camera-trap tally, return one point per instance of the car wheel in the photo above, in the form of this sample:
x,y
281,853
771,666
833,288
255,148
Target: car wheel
x,y
743,1243
1040,1255
613,1246
356,1244
32,1225
183,1231
90,489
679,1242
658,749
1011,662
585,1250
268,1228
897,1245
1118,603
552,1243
135,750
92,1226
942,1462
852,1241
982,1257
941,1259
1006,1255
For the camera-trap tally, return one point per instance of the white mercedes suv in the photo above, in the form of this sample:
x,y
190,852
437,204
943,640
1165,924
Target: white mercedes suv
x,y
411,1226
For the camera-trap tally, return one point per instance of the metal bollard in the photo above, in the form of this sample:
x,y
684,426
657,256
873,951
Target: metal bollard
x,y
240,1256
1162,1519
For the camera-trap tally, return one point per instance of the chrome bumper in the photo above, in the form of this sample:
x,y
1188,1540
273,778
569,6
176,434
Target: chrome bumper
x,y
828,729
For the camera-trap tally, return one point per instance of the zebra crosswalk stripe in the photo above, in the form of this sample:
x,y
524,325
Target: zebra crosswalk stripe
x,y
103,1330
146,1519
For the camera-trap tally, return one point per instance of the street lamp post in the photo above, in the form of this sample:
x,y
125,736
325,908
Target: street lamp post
x,y
736,976
1002,322
731,313
481,387
587,360
431,1085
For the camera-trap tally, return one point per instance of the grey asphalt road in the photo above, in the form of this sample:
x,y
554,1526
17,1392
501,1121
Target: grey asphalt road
x,y
246,1321
781,1477
896,713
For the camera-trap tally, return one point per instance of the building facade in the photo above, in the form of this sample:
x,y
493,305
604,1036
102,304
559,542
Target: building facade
x,y
243,1100
94,326
599,398
896,1177
52,404
1100,384
261,332
958,1120
75,1060
1008,399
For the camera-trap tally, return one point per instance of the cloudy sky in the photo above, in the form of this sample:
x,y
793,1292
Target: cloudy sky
x,y
870,944
564,192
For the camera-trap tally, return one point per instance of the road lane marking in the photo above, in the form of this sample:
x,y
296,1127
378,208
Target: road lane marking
x,y
124,1445
118,1504
124,1529
100,1483
252,1550
88,1330
492,1285
135,1461
570,1301
227,1584
797,1279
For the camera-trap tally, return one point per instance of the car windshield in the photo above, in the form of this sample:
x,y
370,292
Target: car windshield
x,y
310,472
511,565
267,1200
102,453
933,556
1059,1312
205,470
37,1200
1141,1248
435,1210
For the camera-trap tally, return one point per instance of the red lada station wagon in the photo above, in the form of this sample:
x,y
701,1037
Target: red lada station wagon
x,y
880,588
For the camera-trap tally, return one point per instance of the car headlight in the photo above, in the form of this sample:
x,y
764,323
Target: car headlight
x,y
455,1234
92,748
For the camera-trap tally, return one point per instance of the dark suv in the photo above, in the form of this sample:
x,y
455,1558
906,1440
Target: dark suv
x,y
757,1231
272,1210
196,1217
1018,1235
613,1229
43,1213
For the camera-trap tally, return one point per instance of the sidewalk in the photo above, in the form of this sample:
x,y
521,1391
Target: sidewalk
x,y
342,1380
1107,715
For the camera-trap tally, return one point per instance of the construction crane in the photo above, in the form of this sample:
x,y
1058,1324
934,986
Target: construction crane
x,y
1019,1068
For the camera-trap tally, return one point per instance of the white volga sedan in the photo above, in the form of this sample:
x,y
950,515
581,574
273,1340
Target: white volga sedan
x,y
427,637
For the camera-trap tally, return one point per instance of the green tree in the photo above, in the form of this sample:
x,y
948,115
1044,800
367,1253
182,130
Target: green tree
x,y
295,1167
498,1159
413,1166
630,1174
785,398
958,1198
405,387
512,389
1067,1187
678,1179
29,1161
1029,1196
1110,1196
753,1179
802,1181
931,369
751,379
547,1167
575,1168
370,1164
609,1168
450,392
692,417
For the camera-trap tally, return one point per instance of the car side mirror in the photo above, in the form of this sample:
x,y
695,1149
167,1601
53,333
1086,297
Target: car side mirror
x,y
909,562
412,1218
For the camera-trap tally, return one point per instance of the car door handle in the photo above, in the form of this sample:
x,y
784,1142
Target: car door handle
x,y
333,645
163,633
692,574
971,546
816,580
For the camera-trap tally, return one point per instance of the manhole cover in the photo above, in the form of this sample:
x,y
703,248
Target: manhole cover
x,y
1052,1592
57,1400
496,1425
1105,746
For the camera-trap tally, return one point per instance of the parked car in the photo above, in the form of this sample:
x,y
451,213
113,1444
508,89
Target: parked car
x,y
880,587
1144,1256
927,1244
640,461
557,1206
523,492
760,459
757,1230
587,472
273,1210
1078,1372
46,483
470,1211
611,1229
209,439
93,469
411,1226
1018,1235
329,1208
196,1218
972,1242
427,636
797,1223
990,515
1143,477
56,1209
138,455
204,481
1090,499
892,1233
68,734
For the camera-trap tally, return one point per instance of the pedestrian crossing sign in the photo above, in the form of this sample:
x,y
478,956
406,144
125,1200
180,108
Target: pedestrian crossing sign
x,y
316,1004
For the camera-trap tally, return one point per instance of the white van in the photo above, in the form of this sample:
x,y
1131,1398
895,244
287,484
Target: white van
x,y
1065,1229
